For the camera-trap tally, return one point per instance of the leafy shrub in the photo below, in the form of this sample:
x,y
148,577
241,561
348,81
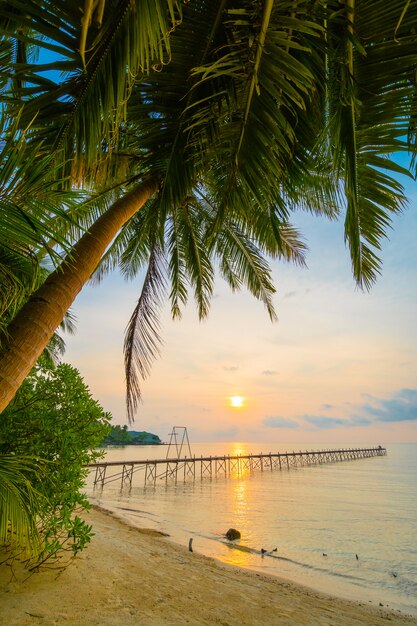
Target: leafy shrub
x,y
54,418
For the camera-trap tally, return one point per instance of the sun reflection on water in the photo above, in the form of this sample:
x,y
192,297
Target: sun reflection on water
x,y
237,553
239,467
238,449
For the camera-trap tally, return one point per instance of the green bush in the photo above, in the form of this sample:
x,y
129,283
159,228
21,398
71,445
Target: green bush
x,y
54,418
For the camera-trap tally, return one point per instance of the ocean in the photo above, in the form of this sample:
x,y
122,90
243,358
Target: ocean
x,y
347,528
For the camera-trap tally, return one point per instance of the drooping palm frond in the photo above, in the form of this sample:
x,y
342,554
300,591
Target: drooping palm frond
x,y
56,347
271,87
242,264
241,249
36,215
20,504
18,278
142,338
148,245
189,257
371,100
30,203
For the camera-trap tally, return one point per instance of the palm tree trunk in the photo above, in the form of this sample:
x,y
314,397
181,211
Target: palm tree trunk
x,y
36,322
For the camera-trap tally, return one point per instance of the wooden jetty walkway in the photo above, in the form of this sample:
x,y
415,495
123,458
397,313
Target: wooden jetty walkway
x,y
174,469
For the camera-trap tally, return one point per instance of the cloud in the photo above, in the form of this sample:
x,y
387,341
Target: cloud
x,y
279,422
325,423
292,294
358,420
230,368
269,373
401,407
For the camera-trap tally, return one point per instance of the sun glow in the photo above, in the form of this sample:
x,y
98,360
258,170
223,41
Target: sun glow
x,y
237,401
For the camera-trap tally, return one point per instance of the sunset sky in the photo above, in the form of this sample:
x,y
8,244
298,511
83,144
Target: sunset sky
x,y
340,365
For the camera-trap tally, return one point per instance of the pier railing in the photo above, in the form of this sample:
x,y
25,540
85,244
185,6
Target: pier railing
x,y
190,468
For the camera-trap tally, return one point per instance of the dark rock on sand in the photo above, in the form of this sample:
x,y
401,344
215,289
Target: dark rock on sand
x,y
233,534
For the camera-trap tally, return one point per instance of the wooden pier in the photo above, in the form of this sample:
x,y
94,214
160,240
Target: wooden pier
x,y
174,469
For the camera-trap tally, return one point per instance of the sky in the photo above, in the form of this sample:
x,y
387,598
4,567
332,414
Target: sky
x,y
339,366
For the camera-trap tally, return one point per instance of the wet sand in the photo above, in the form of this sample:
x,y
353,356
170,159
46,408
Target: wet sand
x,y
130,576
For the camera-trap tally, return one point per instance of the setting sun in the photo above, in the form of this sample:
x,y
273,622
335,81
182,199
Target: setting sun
x,y
236,401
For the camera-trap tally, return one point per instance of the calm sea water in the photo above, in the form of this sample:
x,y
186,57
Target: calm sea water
x,y
318,518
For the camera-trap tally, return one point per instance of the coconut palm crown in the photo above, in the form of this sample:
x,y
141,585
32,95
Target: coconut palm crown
x,y
216,120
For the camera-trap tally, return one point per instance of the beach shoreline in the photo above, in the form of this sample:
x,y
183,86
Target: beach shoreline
x,y
132,576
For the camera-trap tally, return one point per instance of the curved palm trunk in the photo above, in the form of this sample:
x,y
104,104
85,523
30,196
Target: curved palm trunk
x,y
36,322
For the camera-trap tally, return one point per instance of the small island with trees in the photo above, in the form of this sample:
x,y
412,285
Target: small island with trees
x,y
120,436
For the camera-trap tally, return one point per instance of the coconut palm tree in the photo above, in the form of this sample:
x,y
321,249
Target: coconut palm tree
x,y
227,117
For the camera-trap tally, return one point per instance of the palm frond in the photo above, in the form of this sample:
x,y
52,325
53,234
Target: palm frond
x,y
237,250
177,270
371,103
269,88
20,503
188,241
142,338
81,112
241,264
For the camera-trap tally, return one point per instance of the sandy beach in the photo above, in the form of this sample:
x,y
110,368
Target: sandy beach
x,y
130,576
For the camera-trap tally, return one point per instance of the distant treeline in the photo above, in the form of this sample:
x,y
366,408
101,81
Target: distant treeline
x,y
120,436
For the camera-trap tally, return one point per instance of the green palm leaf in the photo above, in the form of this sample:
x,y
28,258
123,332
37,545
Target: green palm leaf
x,y
19,504
371,101
83,107
142,338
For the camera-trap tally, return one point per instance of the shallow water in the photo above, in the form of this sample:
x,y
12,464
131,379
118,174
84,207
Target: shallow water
x,y
348,528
